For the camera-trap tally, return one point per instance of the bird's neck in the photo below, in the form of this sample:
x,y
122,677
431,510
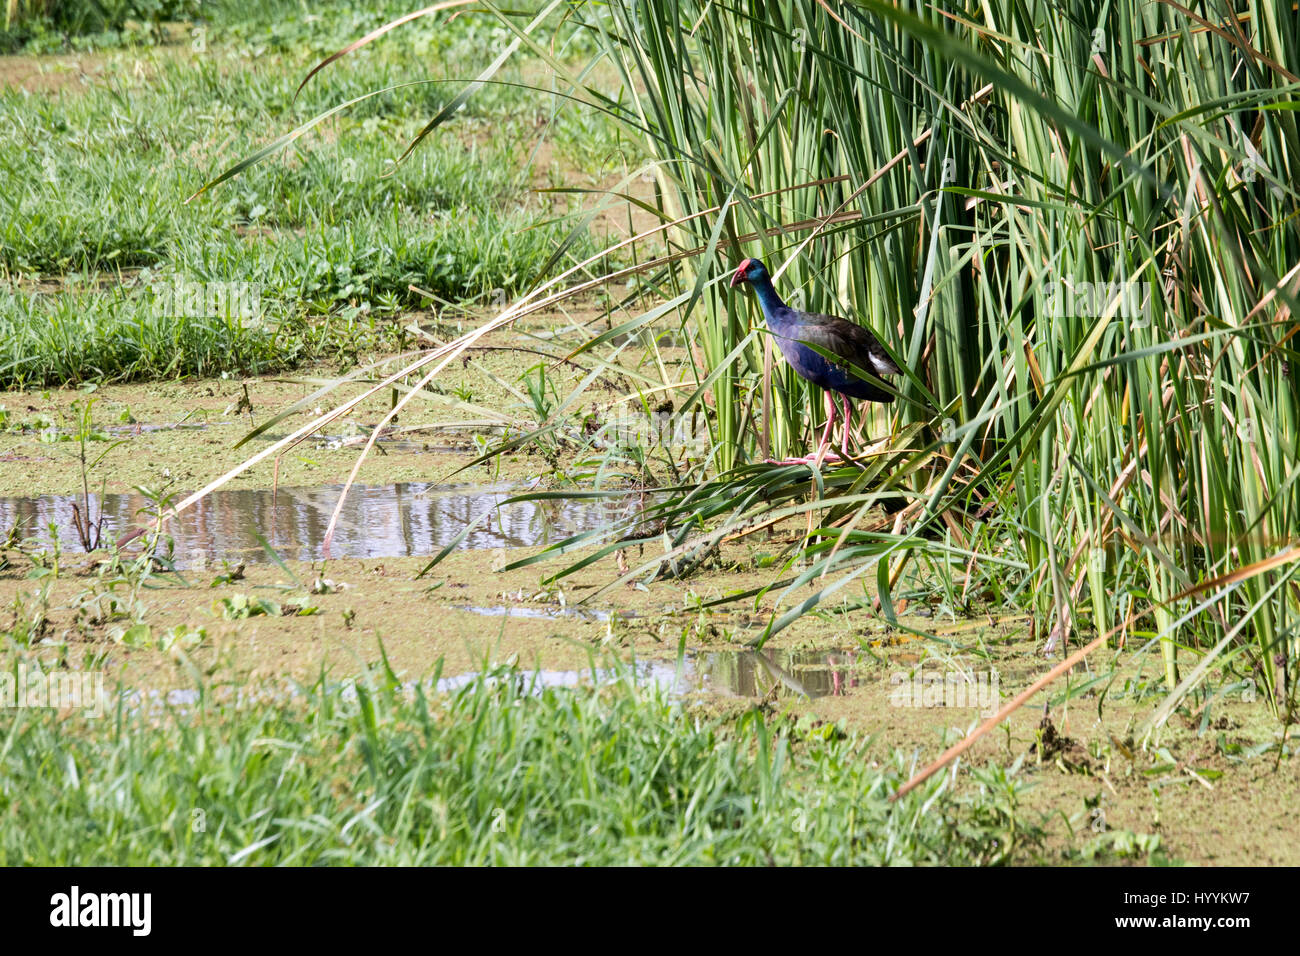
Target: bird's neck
x,y
773,307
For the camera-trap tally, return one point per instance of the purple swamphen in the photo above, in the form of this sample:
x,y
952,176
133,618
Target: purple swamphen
x,y
796,331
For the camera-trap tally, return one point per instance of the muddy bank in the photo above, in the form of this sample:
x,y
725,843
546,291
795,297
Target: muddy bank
x,y
177,436
1210,796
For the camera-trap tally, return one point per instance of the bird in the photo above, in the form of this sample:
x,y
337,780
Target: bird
x,y
796,331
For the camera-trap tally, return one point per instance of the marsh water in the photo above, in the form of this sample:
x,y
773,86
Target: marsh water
x,y
723,673
726,672
408,519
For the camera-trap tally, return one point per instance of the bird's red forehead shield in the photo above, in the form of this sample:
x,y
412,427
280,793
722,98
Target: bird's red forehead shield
x,y
739,277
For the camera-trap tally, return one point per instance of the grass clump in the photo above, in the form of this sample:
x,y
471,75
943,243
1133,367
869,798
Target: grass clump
x,y
94,181
497,772
43,26
70,337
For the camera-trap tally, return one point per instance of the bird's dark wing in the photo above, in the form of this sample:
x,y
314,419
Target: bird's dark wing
x,y
848,340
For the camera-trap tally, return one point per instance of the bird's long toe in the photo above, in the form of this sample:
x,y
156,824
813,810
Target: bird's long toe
x,y
805,460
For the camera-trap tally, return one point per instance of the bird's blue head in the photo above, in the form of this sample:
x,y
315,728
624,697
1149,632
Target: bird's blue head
x,y
751,270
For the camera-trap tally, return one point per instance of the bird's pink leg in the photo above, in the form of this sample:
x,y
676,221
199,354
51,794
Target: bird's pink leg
x,y
848,421
830,424
822,453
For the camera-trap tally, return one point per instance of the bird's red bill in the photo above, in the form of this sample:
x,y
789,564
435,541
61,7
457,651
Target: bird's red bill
x,y
739,277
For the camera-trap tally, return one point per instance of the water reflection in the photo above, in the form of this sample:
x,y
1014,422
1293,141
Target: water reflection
x,y
756,673
377,521
723,673
548,613
727,673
